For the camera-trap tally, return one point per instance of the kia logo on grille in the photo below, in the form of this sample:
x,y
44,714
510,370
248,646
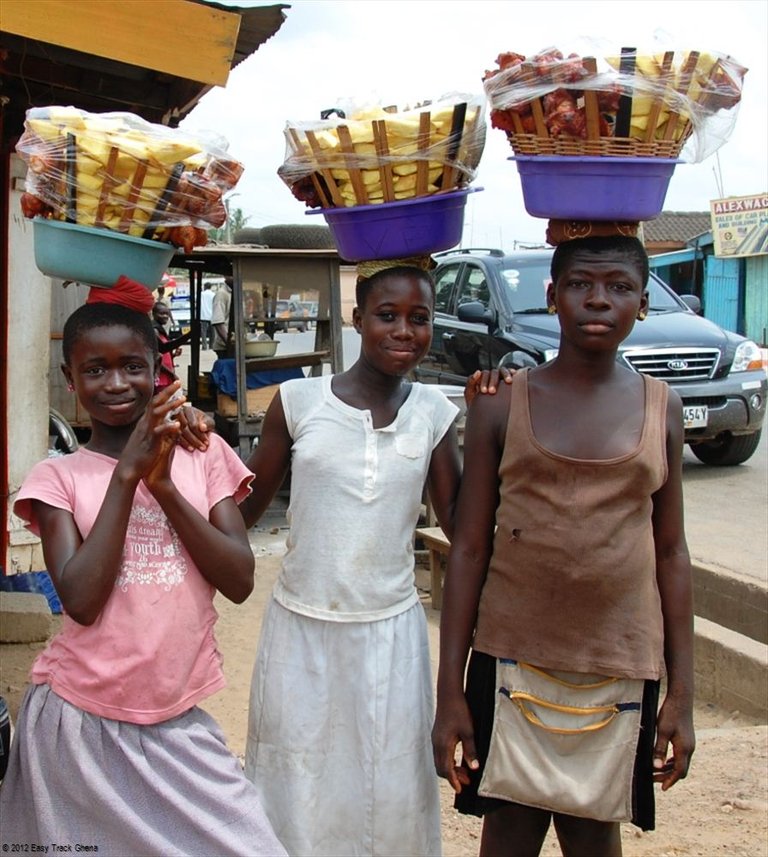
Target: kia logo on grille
x,y
677,365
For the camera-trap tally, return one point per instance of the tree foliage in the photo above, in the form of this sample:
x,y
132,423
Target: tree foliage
x,y
236,220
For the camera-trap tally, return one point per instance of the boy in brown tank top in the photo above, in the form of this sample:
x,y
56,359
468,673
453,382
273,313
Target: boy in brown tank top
x,y
576,468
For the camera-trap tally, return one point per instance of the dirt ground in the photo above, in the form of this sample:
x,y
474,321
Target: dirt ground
x,y
721,809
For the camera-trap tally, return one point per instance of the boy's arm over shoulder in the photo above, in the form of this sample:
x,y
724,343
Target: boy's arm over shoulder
x,y
673,575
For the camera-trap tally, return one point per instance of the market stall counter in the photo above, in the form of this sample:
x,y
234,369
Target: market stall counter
x,y
263,279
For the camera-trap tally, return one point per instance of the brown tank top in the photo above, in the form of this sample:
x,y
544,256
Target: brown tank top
x,y
572,580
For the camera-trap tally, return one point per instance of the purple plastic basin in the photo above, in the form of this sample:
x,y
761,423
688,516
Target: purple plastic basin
x,y
564,187
390,230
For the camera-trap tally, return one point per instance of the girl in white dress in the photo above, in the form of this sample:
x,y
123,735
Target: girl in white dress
x,y
341,698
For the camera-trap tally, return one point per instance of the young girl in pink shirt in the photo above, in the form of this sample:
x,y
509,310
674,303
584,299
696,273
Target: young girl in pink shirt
x,y
111,749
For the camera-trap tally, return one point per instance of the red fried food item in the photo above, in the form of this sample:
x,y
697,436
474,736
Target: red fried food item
x,y
33,206
304,189
184,237
503,119
563,116
216,215
509,59
545,61
572,69
608,99
224,173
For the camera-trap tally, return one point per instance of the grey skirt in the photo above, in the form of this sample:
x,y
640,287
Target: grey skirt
x,y
172,788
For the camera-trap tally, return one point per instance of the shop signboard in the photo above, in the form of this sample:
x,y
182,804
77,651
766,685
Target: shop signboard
x,y
740,225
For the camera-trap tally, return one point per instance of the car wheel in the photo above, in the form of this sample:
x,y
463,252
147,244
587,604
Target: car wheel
x,y
247,236
729,449
297,236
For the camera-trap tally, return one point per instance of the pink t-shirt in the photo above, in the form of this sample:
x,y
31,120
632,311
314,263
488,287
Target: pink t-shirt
x,y
151,654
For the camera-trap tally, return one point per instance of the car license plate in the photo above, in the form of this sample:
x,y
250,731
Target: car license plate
x,y
694,416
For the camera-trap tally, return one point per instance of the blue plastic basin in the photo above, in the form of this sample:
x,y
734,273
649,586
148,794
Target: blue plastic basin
x,y
98,256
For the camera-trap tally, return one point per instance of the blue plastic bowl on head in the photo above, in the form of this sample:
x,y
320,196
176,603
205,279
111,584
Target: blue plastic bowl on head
x,y
582,187
391,230
98,256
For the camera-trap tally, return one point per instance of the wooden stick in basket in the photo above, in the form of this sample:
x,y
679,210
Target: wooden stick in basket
x,y
517,122
385,166
454,141
658,102
591,106
330,181
686,76
130,205
624,115
528,77
106,186
165,198
708,89
422,161
70,178
355,174
315,181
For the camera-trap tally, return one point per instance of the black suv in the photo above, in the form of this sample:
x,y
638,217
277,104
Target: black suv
x,y
490,311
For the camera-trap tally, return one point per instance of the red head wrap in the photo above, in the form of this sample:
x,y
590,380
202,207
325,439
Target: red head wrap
x,y
127,293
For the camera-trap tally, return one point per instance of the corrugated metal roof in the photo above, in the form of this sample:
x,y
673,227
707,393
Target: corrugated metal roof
x,y
258,24
39,73
676,226
661,260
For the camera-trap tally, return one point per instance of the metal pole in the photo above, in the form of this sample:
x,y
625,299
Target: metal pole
x,y
238,326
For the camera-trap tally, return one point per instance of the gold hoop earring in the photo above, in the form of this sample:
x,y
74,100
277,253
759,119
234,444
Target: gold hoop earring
x,y
552,309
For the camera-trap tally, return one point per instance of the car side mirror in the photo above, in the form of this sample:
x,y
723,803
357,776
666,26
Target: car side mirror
x,y
476,312
692,302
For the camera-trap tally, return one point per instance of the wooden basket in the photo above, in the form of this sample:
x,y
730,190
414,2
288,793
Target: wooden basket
x,y
338,172
664,135
618,147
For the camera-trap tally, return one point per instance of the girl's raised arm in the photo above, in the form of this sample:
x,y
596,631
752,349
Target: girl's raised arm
x,y
673,575
218,545
84,570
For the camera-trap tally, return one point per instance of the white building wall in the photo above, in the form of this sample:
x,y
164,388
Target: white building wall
x,y
29,322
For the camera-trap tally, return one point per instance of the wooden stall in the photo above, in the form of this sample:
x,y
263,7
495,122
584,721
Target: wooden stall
x,y
261,278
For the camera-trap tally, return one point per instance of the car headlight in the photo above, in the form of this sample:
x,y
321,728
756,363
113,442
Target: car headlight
x,y
747,356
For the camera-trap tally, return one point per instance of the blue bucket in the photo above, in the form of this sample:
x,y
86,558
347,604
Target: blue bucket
x,y
98,257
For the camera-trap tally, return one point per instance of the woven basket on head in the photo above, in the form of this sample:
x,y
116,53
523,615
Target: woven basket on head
x,y
666,127
392,159
619,147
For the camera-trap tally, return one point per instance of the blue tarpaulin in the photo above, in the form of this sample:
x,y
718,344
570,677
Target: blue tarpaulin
x,y
224,375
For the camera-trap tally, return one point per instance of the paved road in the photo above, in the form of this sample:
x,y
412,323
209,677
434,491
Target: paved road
x,y
726,508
